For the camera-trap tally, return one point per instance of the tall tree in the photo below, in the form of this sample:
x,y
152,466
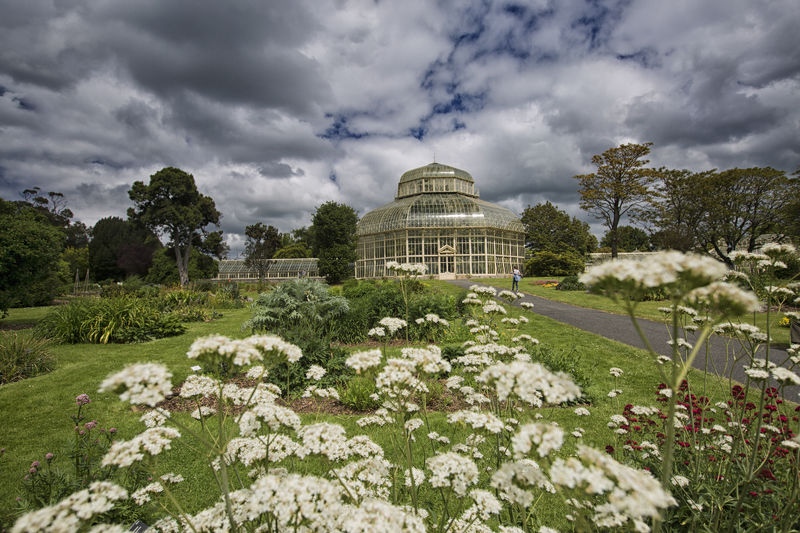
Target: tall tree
x,y
333,237
620,186
548,228
742,205
262,243
676,209
30,246
170,205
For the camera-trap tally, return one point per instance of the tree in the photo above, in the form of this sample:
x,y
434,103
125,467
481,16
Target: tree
x,y
120,248
170,205
629,239
548,228
163,270
620,186
295,250
30,247
742,205
675,210
262,243
333,237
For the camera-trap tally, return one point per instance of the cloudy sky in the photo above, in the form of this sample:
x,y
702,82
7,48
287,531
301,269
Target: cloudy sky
x,y
277,106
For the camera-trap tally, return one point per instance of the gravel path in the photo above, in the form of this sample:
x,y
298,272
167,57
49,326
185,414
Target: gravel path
x,y
619,328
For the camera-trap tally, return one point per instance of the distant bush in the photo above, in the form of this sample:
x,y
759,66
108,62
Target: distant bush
x,y
109,320
570,283
23,356
358,392
554,264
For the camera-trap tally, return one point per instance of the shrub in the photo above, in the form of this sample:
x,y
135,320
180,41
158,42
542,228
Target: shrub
x,y
358,392
547,263
570,283
23,356
108,320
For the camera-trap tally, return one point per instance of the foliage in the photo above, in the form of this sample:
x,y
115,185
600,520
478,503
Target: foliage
x,y
304,312
23,356
29,251
570,283
548,228
675,210
554,264
78,466
629,239
333,237
295,250
108,320
120,249
742,205
621,185
171,205
358,394
260,247
164,271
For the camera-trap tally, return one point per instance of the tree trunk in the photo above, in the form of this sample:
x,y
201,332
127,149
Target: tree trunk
x,y
182,257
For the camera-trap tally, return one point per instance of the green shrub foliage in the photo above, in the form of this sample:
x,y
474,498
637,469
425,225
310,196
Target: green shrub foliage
x,y
554,264
23,356
109,320
570,283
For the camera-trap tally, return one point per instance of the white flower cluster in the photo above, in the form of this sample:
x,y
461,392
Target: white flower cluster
x,y
632,495
72,511
242,352
530,382
477,420
429,359
452,470
407,269
360,361
142,383
152,441
669,270
546,437
393,324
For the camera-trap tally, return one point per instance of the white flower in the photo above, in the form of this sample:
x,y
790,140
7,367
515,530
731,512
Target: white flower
x,y
452,470
142,383
616,372
315,372
152,441
680,481
546,437
361,361
377,332
393,324
582,411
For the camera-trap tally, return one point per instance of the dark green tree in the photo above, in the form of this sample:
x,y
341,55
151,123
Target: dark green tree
x,y
262,243
548,228
120,248
621,186
163,270
676,209
741,206
30,247
629,239
295,250
333,237
170,205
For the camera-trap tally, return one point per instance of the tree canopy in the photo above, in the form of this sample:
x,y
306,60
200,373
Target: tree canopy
x,y
629,239
621,185
333,237
548,228
171,205
120,248
262,243
30,246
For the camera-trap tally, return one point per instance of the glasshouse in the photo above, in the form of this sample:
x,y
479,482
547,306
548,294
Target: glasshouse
x,y
276,269
438,218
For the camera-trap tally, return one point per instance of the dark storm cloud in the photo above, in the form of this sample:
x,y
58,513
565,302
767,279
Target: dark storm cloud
x,y
264,101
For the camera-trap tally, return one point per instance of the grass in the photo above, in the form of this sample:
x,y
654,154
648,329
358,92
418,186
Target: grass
x,y
36,411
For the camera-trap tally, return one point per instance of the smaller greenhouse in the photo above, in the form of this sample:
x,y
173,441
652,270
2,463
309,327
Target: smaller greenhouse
x,y
438,218
277,269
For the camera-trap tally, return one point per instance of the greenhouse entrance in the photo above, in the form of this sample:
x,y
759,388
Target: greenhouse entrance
x,y
447,268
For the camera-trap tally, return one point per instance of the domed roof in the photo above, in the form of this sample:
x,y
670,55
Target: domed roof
x,y
436,177
437,196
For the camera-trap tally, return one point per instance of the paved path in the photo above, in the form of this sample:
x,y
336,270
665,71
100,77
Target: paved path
x,y
620,328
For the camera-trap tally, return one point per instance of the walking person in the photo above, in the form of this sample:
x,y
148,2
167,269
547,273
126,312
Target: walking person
x,y
516,275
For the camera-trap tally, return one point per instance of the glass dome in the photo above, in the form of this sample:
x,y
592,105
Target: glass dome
x,y
437,218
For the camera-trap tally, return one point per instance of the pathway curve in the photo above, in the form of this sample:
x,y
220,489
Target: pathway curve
x,y
619,328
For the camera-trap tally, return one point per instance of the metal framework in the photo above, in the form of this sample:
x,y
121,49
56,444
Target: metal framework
x,y
236,270
437,218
